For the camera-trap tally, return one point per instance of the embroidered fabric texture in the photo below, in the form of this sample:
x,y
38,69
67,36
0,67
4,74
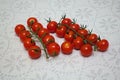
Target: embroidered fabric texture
x,y
100,15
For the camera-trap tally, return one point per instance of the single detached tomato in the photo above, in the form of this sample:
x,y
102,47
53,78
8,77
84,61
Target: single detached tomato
x,y
34,52
53,49
61,30
25,34
75,26
78,42
48,39
66,21
31,21
19,28
42,32
86,50
83,32
36,27
92,38
52,26
28,43
69,36
102,45
67,48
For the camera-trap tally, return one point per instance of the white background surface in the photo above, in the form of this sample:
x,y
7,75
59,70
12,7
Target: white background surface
x,y
103,16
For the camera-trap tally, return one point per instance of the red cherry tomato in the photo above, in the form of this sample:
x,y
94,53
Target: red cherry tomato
x,y
48,39
36,27
61,30
52,26
92,38
102,45
19,28
66,21
78,42
25,34
53,49
28,43
83,32
70,32
42,32
67,48
75,26
34,52
69,36
86,50
31,21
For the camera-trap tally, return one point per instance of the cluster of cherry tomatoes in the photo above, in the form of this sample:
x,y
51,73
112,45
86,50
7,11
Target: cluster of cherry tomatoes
x,y
76,37
34,51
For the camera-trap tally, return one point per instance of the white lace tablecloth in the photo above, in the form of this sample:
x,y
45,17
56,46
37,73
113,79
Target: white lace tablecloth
x,y
103,16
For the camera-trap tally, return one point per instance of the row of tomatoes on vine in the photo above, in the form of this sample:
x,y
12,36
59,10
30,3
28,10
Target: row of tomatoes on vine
x,y
76,37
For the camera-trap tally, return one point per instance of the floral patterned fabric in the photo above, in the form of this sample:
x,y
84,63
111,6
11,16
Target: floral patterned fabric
x,y
103,16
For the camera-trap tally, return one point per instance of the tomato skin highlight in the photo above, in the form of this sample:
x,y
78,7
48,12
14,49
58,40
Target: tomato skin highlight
x,y
102,45
42,32
78,42
31,21
69,37
34,52
75,26
28,43
83,32
67,48
60,32
92,38
24,35
36,27
53,49
52,26
86,50
48,39
19,28
66,21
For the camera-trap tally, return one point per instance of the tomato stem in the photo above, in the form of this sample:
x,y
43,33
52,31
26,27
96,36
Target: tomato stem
x,y
78,33
99,38
64,16
83,26
74,21
48,20
40,40
95,48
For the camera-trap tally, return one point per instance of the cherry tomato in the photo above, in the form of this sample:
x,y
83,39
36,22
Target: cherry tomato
x,y
25,34
48,39
102,45
53,49
69,36
92,38
67,48
31,21
42,32
19,28
34,52
61,30
52,26
78,42
28,43
36,27
83,32
86,50
70,32
75,26
66,21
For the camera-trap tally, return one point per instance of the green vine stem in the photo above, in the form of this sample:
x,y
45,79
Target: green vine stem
x,y
40,40
95,47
